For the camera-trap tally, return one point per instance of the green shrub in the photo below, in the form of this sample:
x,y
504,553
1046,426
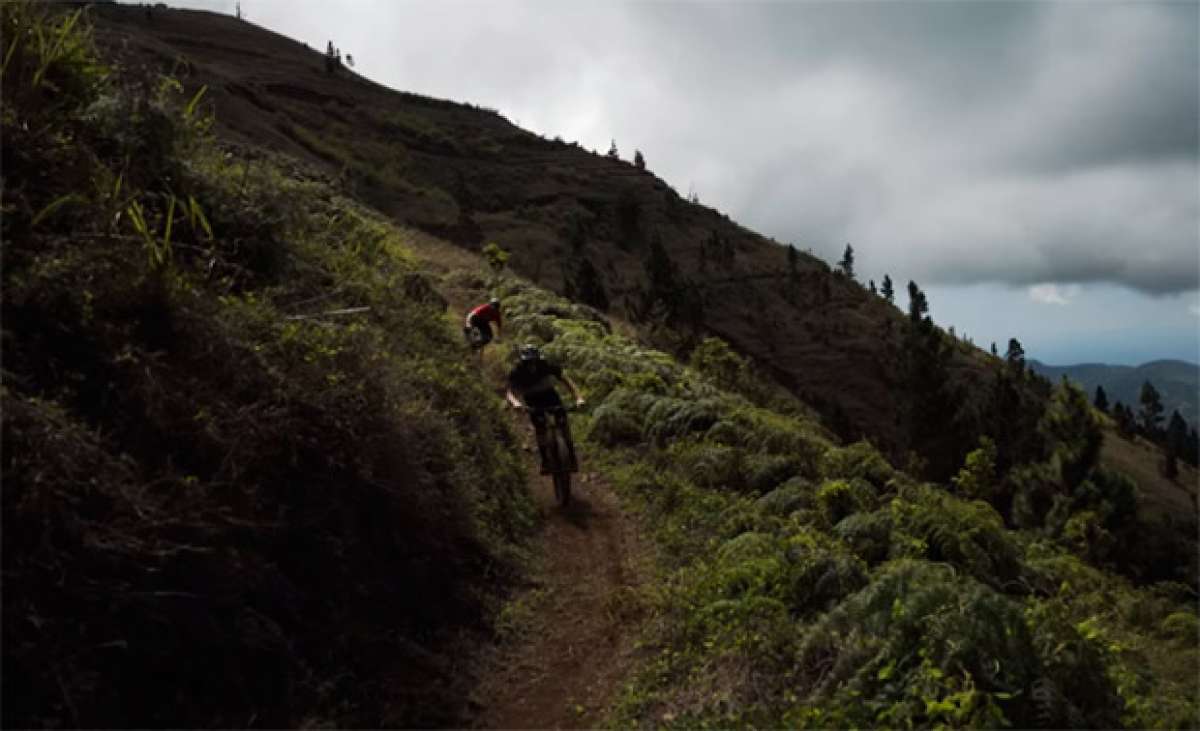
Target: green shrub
x,y
1182,626
842,498
929,523
795,494
861,460
915,636
868,535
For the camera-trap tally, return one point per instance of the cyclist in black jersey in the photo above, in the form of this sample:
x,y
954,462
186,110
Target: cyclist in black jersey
x,y
531,387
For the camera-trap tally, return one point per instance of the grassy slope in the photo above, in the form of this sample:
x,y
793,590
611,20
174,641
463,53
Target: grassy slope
x,y
467,174
1142,461
808,584
216,514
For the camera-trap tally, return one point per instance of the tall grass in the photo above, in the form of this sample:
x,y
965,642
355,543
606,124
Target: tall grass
x,y
222,507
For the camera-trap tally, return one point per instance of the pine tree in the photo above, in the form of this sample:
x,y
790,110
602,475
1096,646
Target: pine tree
x,y
918,306
612,150
1101,400
1177,434
638,161
1191,451
1073,432
994,351
1152,410
886,290
1015,356
585,284
872,287
1124,418
661,277
846,265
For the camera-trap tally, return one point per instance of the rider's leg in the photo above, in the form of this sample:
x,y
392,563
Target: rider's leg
x,y
565,425
539,429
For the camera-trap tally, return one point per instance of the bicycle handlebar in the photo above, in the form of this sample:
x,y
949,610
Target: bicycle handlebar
x,y
546,409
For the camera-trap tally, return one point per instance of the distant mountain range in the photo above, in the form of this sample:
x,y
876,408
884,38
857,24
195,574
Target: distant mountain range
x,y
1176,380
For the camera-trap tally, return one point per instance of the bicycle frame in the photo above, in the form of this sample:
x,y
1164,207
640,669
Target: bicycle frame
x,y
556,423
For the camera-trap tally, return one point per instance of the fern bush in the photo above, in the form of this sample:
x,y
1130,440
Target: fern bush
x,y
929,523
840,499
868,535
860,460
199,462
797,493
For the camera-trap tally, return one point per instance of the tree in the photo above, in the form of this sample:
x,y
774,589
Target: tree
x,y
1073,433
1151,411
495,256
638,161
872,287
1177,434
994,351
612,150
918,306
584,283
886,289
977,479
1015,356
1101,400
793,257
1124,418
846,265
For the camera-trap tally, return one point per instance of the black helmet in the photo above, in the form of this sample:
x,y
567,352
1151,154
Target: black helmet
x,y
529,351
495,302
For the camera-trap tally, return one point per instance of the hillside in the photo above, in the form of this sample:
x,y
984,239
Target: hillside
x,y
218,501
575,222
253,477
1178,382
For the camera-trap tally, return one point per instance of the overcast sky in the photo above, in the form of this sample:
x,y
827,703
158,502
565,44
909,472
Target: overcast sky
x,y
1035,167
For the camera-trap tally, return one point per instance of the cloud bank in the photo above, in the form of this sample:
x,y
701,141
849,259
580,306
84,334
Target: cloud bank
x,y
1013,143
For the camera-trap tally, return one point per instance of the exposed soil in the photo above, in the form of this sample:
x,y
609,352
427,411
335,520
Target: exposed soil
x,y
575,646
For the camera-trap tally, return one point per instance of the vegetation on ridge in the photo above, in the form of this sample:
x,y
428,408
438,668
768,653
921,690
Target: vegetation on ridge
x,y
221,507
807,584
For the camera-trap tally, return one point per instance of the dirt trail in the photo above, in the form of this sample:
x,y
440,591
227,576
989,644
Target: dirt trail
x,y
567,663
579,621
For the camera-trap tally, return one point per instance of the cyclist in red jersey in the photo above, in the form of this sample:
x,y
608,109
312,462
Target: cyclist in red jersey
x,y
478,321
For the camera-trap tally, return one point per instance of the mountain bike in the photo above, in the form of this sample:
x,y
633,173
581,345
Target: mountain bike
x,y
560,452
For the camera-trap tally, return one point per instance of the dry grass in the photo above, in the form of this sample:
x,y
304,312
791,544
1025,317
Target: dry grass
x,y
1143,461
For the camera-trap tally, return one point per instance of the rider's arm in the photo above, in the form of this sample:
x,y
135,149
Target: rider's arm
x,y
571,387
512,399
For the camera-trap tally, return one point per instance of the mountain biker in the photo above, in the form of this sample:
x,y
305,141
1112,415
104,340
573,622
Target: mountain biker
x,y
478,319
533,378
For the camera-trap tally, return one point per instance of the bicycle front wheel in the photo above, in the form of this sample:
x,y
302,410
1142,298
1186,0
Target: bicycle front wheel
x,y
562,488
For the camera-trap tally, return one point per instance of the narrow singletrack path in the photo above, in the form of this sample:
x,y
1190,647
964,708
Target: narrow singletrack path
x,y
566,664
573,647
